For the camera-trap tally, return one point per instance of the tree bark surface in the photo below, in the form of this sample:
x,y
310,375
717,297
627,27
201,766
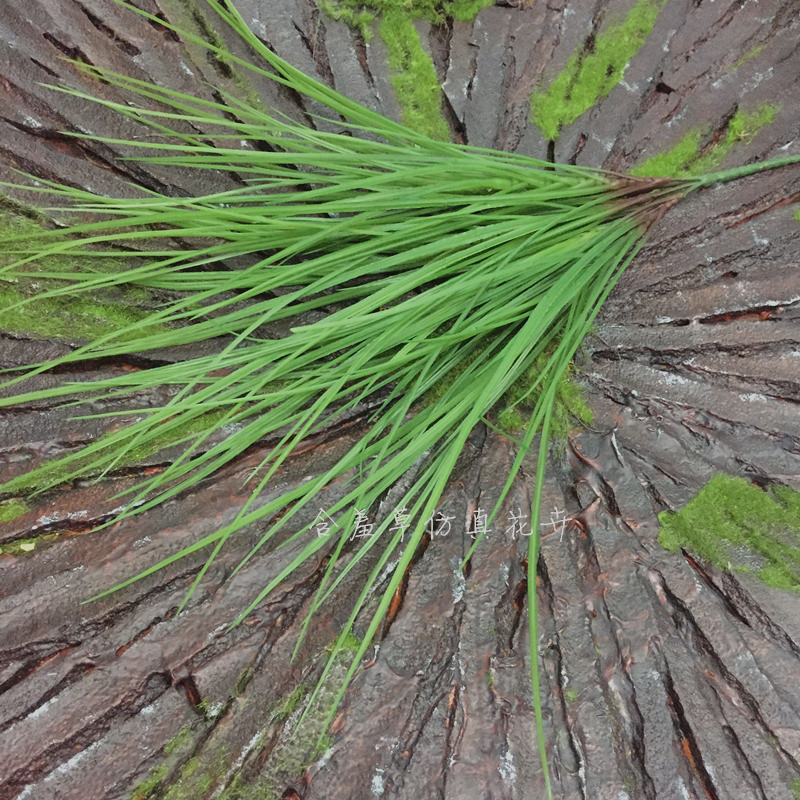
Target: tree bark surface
x,y
662,677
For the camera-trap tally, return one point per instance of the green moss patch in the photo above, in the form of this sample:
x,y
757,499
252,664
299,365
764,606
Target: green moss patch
x,y
61,470
290,704
12,509
466,10
737,526
195,17
179,747
514,409
677,160
748,56
303,738
593,70
520,401
146,788
689,157
260,790
295,734
198,776
63,317
181,740
68,317
362,13
414,77
22,547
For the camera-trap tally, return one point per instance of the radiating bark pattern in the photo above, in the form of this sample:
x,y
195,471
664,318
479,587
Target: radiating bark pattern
x,y
662,677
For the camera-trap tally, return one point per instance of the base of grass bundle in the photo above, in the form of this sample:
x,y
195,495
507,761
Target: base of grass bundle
x,y
404,268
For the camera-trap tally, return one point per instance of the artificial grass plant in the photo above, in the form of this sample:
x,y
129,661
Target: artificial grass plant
x,y
442,270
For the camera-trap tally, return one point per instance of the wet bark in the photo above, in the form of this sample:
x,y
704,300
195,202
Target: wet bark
x,y
662,677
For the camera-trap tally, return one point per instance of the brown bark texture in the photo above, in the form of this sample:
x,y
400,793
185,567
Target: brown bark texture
x,y
662,677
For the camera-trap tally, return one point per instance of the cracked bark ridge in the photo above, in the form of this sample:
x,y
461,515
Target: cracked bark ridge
x,y
662,677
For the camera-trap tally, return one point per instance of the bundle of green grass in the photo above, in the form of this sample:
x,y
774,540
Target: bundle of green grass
x,y
445,273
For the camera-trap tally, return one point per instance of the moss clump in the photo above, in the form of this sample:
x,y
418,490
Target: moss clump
x,y
146,788
65,316
570,695
290,704
177,747
677,160
199,775
302,740
520,401
414,77
52,473
195,16
743,127
12,509
629,786
465,10
688,158
350,644
10,208
748,56
795,787
238,790
305,738
21,547
593,70
182,739
735,525
362,13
